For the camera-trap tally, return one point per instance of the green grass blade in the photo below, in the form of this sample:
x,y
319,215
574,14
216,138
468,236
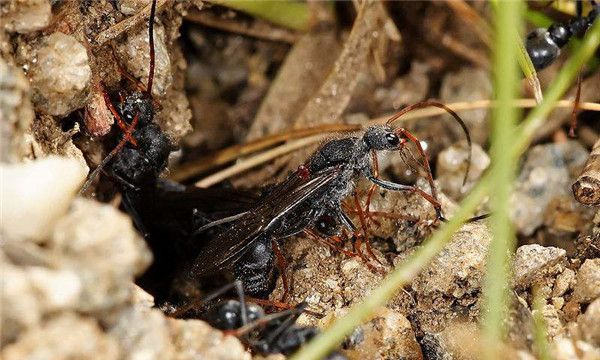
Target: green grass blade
x,y
508,15
291,14
540,332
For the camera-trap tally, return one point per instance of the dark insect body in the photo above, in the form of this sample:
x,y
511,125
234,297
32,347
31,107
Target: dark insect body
x,y
264,334
543,45
309,198
141,153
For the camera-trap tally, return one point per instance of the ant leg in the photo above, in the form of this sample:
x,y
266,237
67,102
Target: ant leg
x,y
423,154
367,210
291,314
125,183
388,185
122,124
198,302
282,265
285,325
575,107
279,305
111,155
332,242
363,223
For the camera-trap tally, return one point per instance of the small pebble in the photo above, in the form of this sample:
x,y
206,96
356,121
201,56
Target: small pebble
x,y
388,335
533,262
587,288
25,16
64,337
589,324
60,75
36,195
547,173
451,284
134,54
452,165
477,87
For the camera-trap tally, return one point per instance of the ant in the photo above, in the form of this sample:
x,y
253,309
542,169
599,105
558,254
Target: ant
x,y
264,334
310,197
543,45
142,153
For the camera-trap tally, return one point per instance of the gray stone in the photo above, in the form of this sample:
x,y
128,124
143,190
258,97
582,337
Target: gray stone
x,y
546,174
587,288
60,75
451,285
451,167
533,262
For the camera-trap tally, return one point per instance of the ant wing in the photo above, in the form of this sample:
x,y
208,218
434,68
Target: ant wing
x,y
170,208
229,245
166,215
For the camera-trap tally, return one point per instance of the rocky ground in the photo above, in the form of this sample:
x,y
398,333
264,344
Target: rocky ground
x,y
68,262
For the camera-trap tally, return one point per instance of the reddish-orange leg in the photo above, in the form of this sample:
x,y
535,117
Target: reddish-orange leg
x,y
277,304
575,107
108,158
367,210
425,164
332,242
282,266
122,124
363,225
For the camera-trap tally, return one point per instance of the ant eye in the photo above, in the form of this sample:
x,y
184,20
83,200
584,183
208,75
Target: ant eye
x,y
392,139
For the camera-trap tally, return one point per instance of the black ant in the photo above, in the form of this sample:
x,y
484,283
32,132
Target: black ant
x,y
142,153
263,333
543,45
248,242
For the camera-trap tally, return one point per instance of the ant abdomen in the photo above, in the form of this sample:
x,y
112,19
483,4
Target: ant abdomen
x,y
541,48
543,45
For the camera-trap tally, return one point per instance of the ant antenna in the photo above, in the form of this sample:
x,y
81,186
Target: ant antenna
x,y
460,121
151,44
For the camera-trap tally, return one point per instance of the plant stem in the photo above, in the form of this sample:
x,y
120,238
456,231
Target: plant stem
x,y
508,15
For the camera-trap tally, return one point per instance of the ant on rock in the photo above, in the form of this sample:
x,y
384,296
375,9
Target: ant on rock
x,y
311,196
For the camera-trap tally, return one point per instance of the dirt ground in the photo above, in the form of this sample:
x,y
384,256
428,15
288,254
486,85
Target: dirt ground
x,y
224,78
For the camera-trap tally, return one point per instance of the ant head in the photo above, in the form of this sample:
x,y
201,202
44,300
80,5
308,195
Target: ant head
x,y
140,104
382,138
